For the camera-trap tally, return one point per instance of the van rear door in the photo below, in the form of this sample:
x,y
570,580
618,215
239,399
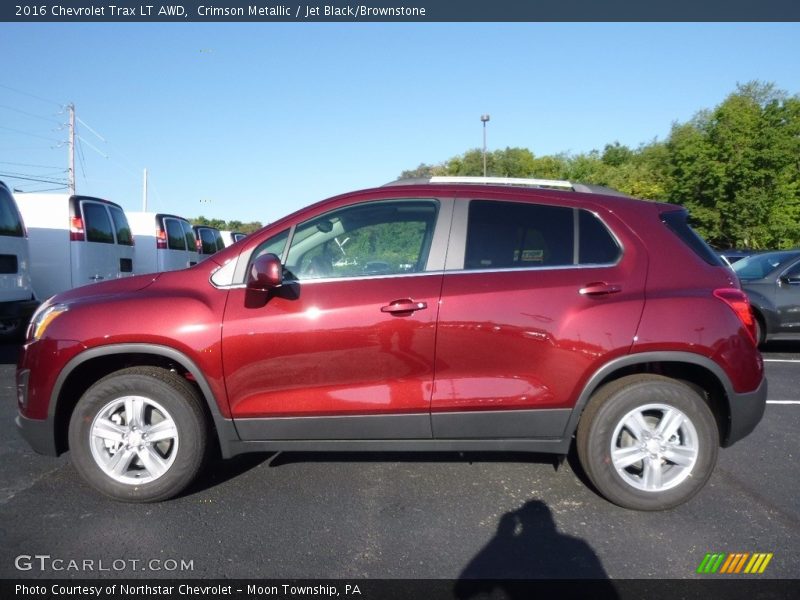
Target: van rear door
x,y
176,255
106,250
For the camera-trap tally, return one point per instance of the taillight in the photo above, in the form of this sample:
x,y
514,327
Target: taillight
x,y
76,233
161,238
740,304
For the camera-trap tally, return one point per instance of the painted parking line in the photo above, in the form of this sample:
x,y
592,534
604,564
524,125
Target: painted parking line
x,y
782,360
783,401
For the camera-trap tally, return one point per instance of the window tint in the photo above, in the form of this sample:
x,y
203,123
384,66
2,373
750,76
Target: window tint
x,y
274,245
10,222
121,226
507,235
188,233
218,239
596,246
96,223
377,238
176,238
677,221
207,241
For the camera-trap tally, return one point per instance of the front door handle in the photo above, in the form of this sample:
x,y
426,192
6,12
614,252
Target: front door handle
x,y
403,306
599,288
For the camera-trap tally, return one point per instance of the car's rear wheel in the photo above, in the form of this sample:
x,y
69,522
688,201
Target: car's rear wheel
x,y
647,442
139,435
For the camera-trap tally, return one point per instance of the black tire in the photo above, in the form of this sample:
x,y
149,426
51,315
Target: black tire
x,y
163,399
761,330
654,482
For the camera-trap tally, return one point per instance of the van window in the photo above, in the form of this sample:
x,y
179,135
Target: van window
x,y
218,239
10,222
121,226
188,234
209,244
176,238
97,224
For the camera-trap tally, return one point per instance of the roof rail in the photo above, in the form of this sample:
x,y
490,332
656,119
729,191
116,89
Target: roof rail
x,y
513,181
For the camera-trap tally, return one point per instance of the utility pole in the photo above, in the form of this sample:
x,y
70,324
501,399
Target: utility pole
x,y
71,150
484,119
144,192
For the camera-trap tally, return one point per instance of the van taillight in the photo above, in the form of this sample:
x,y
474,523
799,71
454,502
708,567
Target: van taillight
x,y
76,233
740,304
161,238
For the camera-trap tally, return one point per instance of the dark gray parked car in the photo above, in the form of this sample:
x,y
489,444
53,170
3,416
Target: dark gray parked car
x,y
772,281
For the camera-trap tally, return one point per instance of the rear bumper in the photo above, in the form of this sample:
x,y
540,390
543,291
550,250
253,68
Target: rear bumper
x,y
746,411
40,434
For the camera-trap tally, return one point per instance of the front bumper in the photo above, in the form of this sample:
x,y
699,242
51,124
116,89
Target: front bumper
x,y
746,411
40,434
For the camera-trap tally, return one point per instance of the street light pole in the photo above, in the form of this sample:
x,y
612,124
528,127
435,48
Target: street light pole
x,y
484,119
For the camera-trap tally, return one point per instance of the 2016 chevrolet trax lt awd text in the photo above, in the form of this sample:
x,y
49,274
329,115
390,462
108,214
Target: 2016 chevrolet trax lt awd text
x,y
443,315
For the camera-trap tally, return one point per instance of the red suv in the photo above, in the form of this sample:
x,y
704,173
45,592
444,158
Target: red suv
x,y
443,315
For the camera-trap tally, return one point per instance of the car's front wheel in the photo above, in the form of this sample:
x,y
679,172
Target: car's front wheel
x,y
139,435
647,442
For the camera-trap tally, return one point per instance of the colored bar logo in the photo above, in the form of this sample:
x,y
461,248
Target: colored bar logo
x,y
735,563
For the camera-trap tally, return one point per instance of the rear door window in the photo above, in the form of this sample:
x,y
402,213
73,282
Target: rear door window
x,y
188,234
176,237
218,240
10,221
207,241
121,226
97,223
515,235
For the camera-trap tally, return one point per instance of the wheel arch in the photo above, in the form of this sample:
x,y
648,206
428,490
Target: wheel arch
x,y
697,371
83,370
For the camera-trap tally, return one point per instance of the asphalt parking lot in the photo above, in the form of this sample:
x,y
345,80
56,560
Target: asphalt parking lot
x,y
404,515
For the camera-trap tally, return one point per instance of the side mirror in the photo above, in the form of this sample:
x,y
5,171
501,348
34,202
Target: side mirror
x,y
265,273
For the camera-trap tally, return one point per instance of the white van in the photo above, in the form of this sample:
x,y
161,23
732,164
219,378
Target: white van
x,y
75,241
17,299
209,240
163,242
229,238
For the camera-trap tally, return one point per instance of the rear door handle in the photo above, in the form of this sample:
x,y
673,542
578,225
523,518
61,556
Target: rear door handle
x,y
599,288
96,277
403,306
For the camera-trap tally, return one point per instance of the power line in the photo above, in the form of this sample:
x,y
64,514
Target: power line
x,y
41,137
8,87
55,189
22,112
16,164
82,122
12,176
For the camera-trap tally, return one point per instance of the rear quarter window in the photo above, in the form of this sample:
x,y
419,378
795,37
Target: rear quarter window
x,y
678,222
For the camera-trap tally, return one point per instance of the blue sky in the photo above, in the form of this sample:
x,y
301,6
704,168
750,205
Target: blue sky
x,y
252,121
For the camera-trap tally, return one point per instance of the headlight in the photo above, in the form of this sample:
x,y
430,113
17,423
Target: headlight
x,y
42,318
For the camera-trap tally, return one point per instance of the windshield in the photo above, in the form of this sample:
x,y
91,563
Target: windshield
x,y
759,266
